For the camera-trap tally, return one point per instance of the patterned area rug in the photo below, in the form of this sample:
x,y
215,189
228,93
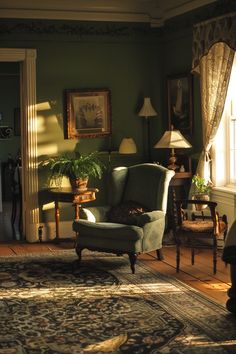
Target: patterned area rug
x,y
49,304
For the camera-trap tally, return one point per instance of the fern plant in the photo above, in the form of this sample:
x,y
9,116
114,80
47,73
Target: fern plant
x,y
74,166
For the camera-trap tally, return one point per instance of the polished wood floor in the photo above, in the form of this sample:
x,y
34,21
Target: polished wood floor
x,y
200,276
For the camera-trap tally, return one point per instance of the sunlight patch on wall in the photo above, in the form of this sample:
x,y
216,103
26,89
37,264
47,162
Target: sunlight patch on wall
x,y
43,106
48,206
48,149
41,124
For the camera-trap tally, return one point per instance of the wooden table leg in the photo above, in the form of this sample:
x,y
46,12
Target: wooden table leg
x,y
57,219
231,303
77,206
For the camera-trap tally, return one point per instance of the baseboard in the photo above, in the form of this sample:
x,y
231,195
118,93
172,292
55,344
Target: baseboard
x,y
49,230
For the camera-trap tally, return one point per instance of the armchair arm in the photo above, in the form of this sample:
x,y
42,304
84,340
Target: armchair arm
x,y
94,214
147,217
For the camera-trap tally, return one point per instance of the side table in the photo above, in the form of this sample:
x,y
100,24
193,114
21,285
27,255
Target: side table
x,y
68,195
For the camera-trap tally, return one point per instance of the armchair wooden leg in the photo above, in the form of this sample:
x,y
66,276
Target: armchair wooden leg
x,y
132,259
79,252
160,256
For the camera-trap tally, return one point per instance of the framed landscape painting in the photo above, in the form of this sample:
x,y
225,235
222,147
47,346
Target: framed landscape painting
x,y
88,113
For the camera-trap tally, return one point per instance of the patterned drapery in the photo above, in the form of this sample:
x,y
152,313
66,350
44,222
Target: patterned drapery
x,y
214,44
208,33
214,69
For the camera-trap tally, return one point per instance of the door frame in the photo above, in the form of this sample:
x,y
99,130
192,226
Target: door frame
x,y
30,205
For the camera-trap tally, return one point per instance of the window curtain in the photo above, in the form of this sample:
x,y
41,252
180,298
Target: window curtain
x,y
214,43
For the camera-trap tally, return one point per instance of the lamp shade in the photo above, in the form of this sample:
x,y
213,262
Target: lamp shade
x,y
173,139
127,146
147,110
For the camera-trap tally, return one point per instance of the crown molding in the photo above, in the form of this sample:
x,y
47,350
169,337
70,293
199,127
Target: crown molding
x,y
186,7
152,11
80,16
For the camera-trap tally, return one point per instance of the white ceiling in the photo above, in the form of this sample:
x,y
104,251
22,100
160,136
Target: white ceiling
x,y
156,12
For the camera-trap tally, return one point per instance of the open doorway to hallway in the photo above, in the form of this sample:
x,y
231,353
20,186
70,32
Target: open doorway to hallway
x,y
10,147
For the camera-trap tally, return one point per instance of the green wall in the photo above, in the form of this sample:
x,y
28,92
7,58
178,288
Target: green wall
x,y
132,60
9,101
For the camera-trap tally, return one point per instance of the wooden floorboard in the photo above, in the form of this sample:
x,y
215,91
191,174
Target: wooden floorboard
x,y
198,276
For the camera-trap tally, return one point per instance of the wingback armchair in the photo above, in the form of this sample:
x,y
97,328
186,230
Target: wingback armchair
x,y
133,222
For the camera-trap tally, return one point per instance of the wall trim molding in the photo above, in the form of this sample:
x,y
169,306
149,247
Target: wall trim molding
x,y
30,207
76,30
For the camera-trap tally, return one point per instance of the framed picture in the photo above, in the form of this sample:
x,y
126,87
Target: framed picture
x,y
88,113
180,107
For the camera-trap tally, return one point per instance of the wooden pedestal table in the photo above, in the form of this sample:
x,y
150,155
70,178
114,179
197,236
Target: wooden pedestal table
x,y
68,195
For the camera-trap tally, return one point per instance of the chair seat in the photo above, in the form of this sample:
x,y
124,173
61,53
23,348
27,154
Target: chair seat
x,y
202,226
111,231
108,236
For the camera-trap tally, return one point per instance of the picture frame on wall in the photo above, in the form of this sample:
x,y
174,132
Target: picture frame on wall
x,y
88,113
180,106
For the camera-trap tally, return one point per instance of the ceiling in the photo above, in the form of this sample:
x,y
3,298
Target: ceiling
x,y
155,12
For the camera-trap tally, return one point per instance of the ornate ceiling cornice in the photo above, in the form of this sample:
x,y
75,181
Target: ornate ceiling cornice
x,y
153,12
77,30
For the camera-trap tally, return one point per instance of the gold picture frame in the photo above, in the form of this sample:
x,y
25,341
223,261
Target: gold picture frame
x,y
88,113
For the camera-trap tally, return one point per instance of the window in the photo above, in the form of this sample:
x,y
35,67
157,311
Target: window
x,y
224,147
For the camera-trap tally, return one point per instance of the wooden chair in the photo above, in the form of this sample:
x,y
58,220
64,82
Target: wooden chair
x,y
203,230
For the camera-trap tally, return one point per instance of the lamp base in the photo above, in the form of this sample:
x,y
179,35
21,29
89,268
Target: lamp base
x,y
173,166
172,161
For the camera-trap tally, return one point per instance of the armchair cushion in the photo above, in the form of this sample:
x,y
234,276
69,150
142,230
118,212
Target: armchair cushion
x,y
126,213
108,236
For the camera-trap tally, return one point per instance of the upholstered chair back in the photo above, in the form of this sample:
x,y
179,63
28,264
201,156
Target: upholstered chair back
x,y
146,184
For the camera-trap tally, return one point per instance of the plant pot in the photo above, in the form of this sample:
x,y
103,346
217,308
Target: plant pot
x,y
201,196
79,184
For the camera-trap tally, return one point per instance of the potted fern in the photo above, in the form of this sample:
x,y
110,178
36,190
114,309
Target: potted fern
x,y
77,167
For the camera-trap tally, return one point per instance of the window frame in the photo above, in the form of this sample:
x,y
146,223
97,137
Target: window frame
x,y
221,170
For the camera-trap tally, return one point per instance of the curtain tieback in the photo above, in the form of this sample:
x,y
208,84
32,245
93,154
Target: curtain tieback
x,y
207,156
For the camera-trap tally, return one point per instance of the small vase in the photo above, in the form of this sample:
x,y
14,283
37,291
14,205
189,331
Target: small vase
x,y
201,196
79,184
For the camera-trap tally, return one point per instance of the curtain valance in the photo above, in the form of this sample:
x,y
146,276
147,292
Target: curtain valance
x,y
208,33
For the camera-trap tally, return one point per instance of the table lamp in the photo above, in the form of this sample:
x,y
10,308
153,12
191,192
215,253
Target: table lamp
x,y
172,139
127,146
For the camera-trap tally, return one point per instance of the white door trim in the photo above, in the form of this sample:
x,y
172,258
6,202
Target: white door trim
x,y
30,206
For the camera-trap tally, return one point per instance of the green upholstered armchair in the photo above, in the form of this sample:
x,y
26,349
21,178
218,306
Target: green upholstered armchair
x,y
133,222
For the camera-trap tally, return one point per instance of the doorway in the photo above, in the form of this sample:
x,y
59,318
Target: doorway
x,y
30,207
10,145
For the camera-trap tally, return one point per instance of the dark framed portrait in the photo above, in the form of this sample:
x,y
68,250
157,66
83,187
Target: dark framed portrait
x,y
88,113
180,106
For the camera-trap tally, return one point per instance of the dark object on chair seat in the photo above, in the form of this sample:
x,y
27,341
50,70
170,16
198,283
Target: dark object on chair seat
x,y
136,209
203,231
126,213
